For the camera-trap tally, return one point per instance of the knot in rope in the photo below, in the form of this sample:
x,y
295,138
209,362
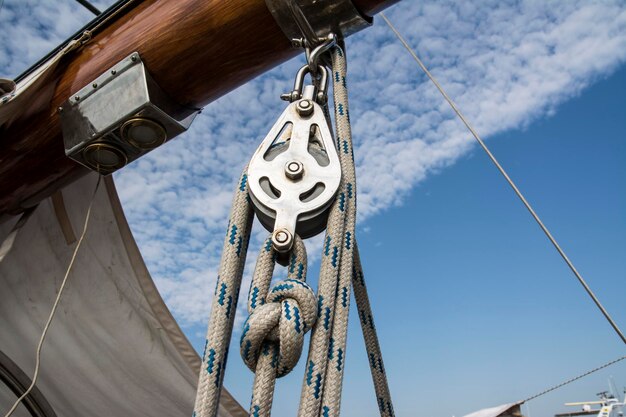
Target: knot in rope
x,y
273,334
280,316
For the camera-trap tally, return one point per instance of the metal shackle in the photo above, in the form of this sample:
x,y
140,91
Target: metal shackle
x,y
298,85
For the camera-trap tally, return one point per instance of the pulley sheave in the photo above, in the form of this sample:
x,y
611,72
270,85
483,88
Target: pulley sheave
x,y
295,173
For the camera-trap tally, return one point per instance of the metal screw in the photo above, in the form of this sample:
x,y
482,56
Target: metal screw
x,y
60,109
282,237
294,170
77,98
290,97
113,72
282,240
94,85
304,107
133,58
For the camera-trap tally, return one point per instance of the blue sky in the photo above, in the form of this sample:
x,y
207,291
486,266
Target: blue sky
x,y
473,305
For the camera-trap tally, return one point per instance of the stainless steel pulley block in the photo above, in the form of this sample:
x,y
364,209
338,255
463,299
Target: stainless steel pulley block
x,y
295,173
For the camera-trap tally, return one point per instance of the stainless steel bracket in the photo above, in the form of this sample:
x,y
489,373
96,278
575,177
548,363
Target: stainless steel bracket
x,y
315,19
120,116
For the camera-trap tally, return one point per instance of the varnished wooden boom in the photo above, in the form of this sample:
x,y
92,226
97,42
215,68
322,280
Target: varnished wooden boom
x,y
196,50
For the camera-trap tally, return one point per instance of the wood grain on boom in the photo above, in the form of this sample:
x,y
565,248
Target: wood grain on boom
x,y
196,50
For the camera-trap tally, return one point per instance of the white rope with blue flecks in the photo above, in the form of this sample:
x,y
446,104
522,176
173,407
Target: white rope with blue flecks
x,y
273,334
327,402
224,302
321,393
272,339
374,354
321,350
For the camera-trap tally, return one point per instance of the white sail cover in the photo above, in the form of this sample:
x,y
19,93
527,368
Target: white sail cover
x,y
113,348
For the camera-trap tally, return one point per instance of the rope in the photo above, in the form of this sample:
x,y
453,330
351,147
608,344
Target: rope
x,y
273,335
509,180
374,354
55,305
224,302
319,350
272,339
331,399
321,389
569,381
93,9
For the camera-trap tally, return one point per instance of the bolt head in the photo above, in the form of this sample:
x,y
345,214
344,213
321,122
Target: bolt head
x,y
282,240
282,236
304,107
294,170
290,97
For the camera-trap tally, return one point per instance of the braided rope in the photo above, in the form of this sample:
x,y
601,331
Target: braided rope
x,y
321,349
331,400
224,302
273,334
321,393
374,354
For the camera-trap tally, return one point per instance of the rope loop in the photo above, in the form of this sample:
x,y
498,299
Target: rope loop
x,y
273,334
280,316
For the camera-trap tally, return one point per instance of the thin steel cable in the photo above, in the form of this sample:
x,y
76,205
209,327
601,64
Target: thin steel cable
x,y
56,304
509,180
93,9
569,381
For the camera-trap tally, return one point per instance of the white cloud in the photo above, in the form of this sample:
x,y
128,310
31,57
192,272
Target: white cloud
x,y
31,28
505,64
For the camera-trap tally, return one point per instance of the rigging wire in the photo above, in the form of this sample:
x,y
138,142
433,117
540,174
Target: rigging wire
x,y
508,179
56,304
569,381
84,34
93,9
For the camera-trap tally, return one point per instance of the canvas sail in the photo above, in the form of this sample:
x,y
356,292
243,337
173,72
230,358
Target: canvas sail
x,y
113,348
